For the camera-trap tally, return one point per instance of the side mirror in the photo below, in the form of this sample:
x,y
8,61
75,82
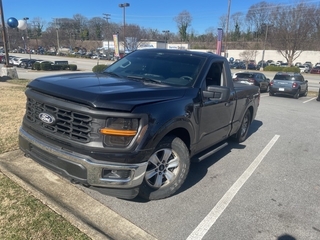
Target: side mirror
x,y
221,94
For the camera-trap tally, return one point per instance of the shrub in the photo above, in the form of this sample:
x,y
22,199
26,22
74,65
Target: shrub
x,y
72,67
281,69
99,68
57,67
36,66
45,66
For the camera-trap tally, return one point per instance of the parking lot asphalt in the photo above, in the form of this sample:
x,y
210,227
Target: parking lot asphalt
x,y
89,215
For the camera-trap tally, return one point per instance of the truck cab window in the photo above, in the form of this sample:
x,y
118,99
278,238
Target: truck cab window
x,y
214,75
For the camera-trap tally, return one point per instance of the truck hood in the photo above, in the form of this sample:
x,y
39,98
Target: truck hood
x,y
104,91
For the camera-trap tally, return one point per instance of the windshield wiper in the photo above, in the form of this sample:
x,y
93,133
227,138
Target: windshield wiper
x,y
112,74
145,79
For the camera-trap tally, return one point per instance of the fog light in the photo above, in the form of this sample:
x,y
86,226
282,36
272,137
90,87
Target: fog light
x,y
116,174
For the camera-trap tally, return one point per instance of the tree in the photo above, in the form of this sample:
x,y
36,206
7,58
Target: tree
x,y
183,21
292,28
257,15
248,55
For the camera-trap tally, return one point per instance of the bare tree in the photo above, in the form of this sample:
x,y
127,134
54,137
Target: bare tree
x,y
248,55
291,30
183,21
258,15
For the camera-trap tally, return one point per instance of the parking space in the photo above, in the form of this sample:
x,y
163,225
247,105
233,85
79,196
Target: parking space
x,y
222,199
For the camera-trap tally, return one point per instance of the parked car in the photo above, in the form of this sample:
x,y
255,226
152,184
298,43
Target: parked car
x,y
304,68
289,83
315,70
308,63
297,64
253,78
17,61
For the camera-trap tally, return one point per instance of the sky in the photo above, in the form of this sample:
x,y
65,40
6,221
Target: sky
x,y
148,14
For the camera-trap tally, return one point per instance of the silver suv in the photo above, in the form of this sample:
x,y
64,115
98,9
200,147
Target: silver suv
x,y
289,83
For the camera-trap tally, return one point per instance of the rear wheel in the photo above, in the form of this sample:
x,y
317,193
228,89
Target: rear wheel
x,y
297,94
306,92
167,169
242,133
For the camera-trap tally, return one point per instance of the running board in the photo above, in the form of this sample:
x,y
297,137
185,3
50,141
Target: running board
x,y
212,152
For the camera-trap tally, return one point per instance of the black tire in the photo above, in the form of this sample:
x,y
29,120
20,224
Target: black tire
x,y
242,133
297,95
167,169
306,93
271,93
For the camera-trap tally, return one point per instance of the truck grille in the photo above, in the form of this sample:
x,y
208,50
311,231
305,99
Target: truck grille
x,y
68,124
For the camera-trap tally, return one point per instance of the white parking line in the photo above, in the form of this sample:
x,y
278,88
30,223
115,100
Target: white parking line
x,y
309,100
218,209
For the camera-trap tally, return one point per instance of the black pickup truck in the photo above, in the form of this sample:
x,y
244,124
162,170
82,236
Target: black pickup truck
x,y
134,128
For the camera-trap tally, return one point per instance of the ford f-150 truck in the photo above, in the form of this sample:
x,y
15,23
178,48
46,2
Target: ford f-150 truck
x,y
134,128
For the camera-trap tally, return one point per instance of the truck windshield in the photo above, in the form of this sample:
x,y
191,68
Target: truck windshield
x,y
170,68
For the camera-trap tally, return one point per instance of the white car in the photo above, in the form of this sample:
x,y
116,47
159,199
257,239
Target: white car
x,y
17,61
304,68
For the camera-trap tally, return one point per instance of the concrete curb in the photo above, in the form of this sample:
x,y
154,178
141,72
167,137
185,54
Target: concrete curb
x,y
90,216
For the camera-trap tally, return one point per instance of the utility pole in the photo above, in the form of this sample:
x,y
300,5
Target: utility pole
x,y
107,17
227,28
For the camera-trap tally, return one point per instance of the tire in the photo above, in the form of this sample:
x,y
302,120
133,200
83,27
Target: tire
x,y
167,169
297,95
271,93
306,93
242,133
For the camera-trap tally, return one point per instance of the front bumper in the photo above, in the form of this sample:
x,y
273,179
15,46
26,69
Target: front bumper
x,y
85,170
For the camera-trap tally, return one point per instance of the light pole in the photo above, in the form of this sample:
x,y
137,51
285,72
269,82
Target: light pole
x,y
166,32
26,19
124,5
227,28
264,47
58,43
107,17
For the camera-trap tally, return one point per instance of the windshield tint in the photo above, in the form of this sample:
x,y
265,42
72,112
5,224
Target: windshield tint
x,y
244,75
283,77
172,68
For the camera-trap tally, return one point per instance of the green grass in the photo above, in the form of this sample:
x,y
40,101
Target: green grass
x,y
21,215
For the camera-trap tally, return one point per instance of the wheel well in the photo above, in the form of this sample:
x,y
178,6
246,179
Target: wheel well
x,y
183,134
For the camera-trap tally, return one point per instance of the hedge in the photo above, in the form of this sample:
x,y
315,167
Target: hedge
x,y
99,68
45,66
281,69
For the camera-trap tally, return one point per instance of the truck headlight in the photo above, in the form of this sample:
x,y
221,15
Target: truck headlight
x,y
119,132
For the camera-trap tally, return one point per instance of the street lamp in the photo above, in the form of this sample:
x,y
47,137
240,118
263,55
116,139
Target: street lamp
x,y
264,47
166,32
26,19
107,17
124,5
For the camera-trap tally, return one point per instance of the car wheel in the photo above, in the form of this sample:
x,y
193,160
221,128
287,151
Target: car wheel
x,y
267,90
167,169
242,133
306,93
296,96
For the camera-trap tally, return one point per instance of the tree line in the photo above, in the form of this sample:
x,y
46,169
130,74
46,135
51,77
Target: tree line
x,y
287,28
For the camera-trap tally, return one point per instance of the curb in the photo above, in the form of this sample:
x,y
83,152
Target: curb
x,y
87,214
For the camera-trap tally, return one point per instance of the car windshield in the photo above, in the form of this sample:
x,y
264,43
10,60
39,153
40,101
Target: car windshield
x,y
160,67
244,75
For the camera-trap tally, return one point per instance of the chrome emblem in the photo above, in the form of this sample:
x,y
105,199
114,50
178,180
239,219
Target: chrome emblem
x,y
46,118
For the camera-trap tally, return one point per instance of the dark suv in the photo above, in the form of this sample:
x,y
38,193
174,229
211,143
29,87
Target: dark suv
x,y
289,83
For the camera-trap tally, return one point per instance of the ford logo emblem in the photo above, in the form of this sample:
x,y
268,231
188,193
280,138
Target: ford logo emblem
x,y
46,118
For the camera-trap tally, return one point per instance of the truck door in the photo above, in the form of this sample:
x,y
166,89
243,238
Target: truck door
x,y
216,115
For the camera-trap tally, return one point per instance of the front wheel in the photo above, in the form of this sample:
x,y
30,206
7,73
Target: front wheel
x,y
167,169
